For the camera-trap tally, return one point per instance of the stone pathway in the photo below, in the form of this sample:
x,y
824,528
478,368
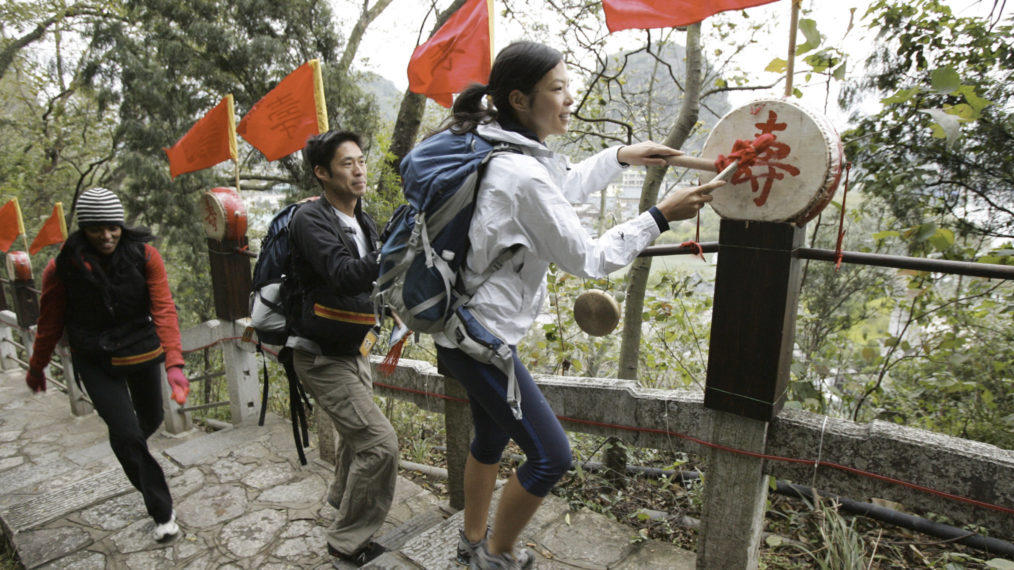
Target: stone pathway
x,y
242,501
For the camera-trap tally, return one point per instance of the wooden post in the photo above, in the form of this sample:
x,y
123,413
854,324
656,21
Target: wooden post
x,y
458,429
752,334
26,301
230,278
3,296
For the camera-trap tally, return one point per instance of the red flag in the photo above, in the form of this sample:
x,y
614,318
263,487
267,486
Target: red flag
x,y
11,225
54,230
647,14
210,141
279,124
458,55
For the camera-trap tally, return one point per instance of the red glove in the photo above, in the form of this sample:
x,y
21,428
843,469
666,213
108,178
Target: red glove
x,y
179,383
36,380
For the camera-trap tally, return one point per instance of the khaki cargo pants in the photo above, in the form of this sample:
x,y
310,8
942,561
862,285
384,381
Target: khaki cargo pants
x,y
367,460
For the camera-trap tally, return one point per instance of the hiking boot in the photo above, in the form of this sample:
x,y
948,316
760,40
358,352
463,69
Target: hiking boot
x,y
466,549
483,560
168,530
366,554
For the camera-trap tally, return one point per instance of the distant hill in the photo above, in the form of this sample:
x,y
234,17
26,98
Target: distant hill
x,y
649,87
387,95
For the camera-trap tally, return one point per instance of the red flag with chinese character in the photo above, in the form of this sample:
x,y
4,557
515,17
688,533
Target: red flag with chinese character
x,y
210,141
11,225
458,55
648,14
54,230
279,124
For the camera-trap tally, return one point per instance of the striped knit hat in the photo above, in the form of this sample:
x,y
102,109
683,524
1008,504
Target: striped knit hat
x,y
99,207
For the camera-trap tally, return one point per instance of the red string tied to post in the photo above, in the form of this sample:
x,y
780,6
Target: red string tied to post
x,y
841,220
745,152
695,244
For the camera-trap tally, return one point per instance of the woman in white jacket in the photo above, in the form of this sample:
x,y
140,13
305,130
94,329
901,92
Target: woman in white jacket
x,y
525,200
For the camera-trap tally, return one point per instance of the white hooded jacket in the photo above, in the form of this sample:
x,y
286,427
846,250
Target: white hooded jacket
x,y
526,200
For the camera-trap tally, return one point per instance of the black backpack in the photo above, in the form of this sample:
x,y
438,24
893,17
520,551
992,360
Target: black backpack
x,y
270,287
270,302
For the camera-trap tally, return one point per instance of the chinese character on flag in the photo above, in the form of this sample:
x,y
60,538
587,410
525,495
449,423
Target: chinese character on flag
x,y
648,14
210,141
459,54
279,124
11,225
53,231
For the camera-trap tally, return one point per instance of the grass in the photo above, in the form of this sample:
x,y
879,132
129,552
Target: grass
x,y
798,534
8,557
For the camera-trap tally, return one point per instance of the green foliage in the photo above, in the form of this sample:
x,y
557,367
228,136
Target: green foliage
x,y
841,546
130,78
939,149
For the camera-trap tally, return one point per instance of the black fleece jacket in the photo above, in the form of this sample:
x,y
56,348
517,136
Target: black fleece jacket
x,y
329,270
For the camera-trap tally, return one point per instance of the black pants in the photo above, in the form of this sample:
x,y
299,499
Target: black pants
x,y
131,406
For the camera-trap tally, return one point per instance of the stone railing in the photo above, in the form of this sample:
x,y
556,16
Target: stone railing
x,y
960,479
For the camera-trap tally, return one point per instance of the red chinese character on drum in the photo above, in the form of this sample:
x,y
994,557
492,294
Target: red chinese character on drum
x,y
212,219
770,162
791,179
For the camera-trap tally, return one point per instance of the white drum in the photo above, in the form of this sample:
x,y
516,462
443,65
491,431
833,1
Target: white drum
x,y
793,178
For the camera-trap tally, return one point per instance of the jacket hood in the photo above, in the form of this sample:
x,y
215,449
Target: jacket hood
x,y
494,132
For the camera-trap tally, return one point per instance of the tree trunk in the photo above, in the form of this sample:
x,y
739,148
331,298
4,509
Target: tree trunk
x,y
410,116
356,35
406,129
641,268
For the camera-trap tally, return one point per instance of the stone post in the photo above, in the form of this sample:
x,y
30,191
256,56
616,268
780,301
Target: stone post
x,y
752,334
458,428
79,404
241,373
8,351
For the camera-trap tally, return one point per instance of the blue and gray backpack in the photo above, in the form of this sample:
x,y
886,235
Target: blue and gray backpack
x,y
422,258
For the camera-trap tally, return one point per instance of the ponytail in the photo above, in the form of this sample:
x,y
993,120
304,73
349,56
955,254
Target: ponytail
x,y
518,66
470,110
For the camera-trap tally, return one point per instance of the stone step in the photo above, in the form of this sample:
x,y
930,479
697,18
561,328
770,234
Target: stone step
x,y
209,446
37,509
415,526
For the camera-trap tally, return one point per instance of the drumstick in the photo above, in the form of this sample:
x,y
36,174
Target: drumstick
x,y
689,162
708,164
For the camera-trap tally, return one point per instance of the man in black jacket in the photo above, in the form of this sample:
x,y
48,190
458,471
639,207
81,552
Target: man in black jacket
x,y
334,247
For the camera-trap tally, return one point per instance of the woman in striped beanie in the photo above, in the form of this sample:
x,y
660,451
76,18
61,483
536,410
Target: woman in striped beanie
x,y
107,289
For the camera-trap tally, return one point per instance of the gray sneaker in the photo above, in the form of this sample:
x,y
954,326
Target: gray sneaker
x,y
483,560
466,549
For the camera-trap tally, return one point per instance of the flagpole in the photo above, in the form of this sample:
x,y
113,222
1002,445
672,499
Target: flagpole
x,y
793,27
236,164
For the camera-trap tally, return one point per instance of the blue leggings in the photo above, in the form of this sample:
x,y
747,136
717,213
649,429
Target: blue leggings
x,y
538,433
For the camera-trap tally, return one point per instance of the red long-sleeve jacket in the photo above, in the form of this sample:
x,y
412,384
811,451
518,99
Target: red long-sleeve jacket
x,y
53,305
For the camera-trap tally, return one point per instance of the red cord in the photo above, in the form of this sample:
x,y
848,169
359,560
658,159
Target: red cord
x,y
695,244
841,220
813,462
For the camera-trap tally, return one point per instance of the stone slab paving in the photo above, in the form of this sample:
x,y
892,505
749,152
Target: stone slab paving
x,y
242,501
